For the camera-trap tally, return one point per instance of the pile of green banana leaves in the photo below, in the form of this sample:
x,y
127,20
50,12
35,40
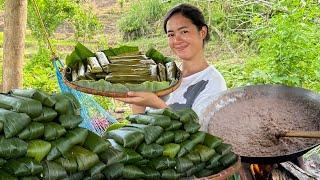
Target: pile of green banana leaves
x,y
121,69
164,144
40,138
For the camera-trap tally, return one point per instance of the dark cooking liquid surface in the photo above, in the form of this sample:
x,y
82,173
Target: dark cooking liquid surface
x,y
249,125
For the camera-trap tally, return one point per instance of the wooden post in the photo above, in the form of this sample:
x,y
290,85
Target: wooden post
x,y
15,20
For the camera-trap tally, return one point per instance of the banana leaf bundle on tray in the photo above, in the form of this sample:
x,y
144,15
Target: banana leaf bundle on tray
x,y
115,71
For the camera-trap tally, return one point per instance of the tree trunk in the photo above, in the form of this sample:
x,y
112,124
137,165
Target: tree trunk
x,y
15,20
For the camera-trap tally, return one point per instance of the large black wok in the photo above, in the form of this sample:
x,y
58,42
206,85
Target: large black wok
x,y
275,91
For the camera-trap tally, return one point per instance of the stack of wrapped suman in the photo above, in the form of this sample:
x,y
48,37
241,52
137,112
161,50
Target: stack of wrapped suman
x,y
121,69
164,144
40,138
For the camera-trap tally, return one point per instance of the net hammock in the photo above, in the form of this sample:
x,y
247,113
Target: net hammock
x,y
95,117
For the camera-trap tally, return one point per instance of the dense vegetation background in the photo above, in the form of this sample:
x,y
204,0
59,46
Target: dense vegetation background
x,y
253,42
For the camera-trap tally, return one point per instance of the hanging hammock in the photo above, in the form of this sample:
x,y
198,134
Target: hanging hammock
x,y
95,117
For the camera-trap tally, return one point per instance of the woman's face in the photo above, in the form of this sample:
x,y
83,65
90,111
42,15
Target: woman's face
x,y
184,39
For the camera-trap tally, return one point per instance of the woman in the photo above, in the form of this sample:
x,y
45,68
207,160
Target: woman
x,y
187,34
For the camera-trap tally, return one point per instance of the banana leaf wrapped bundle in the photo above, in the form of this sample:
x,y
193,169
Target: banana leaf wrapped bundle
x,y
132,172
135,79
150,150
6,176
33,131
53,131
95,143
21,104
180,136
166,137
194,157
12,148
122,50
23,167
38,149
70,121
102,59
85,158
156,56
41,96
196,168
94,65
166,112
205,153
151,133
170,174
47,114
2,161
175,125
171,150
53,171
171,70
142,162
112,156
75,176
97,169
228,159
114,59
203,173
155,120
98,176
162,163
69,164
187,115
223,148
183,164
67,104
212,141
13,122
191,127
81,71
131,69
214,161
114,171
127,138
30,178
162,72
127,156
150,173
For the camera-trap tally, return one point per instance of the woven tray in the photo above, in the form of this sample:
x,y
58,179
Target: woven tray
x,y
117,94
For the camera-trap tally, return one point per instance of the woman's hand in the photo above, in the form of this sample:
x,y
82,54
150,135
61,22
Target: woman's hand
x,y
146,99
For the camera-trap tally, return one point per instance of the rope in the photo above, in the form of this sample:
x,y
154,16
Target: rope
x,y
44,29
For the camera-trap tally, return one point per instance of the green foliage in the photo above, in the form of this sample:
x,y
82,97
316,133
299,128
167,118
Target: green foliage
x,y
289,49
39,73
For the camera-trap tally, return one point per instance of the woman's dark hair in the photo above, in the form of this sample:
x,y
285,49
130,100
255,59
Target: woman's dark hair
x,y
190,12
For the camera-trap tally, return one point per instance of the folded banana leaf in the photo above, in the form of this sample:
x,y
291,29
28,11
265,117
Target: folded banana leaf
x,y
102,59
196,168
204,173
21,104
53,171
102,85
162,163
6,176
191,127
180,136
170,174
171,70
97,169
112,156
205,153
13,122
214,161
114,59
70,121
98,176
187,146
85,158
175,125
183,164
166,137
94,65
223,148
2,161
12,148
35,94
171,150
129,78
149,86
127,156
156,56
114,171
151,133
113,68
33,131
155,120
166,112
132,172
127,61
194,157
23,167
53,131
38,149
162,72
122,50
69,164
187,115
96,143
66,104
74,176
228,159
150,150
150,173
79,54
30,178
81,71
48,114
127,138
198,137
212,141
54,153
